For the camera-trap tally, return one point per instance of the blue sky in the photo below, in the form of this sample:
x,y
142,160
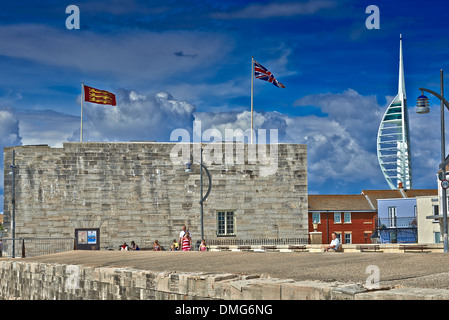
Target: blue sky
x,y
172,62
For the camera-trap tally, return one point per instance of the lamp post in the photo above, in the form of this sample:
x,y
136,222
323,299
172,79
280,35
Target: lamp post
x,y
315,226
202,198
422,106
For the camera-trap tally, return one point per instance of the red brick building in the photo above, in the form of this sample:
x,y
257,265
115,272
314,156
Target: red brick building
x,y
351,217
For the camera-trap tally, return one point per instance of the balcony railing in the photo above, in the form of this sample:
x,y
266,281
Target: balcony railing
x,y
397,222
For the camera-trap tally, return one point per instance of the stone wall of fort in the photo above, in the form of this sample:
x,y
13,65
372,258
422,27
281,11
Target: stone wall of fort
x,y
141,191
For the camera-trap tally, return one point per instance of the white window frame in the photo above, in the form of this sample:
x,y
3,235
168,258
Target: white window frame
x,y
319,217
350,237
223,225
392,216
345,215
337,214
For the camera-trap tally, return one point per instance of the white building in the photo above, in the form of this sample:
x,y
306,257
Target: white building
x,y
393,138
429,231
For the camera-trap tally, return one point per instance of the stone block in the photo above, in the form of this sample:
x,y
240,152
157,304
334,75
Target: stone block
x,y
404,294
306,290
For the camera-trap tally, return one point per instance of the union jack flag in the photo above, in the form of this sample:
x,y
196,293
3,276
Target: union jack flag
x,y
260,72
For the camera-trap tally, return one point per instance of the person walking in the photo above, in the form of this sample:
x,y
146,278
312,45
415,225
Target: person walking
x,y
183,232
186,242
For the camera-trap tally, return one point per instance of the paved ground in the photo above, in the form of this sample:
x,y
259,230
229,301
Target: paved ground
x,y
424,270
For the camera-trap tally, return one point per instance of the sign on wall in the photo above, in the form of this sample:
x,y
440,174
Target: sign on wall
x,y
87,239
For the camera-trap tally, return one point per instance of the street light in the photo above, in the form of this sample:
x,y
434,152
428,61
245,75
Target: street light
x,y
202,198
422,106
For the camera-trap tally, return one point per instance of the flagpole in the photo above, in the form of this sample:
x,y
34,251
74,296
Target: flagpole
x,y
252,96
82,98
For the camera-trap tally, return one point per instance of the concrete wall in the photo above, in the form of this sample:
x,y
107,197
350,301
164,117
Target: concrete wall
x,y
137,191
42,281
427,227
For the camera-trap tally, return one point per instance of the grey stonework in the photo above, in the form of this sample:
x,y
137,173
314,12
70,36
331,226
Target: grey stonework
x,y
135,191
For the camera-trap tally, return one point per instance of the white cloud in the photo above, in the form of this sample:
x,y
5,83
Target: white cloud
x,y
150,117
342,145
276,10
46,127
242,120
9,129
359,115
425,132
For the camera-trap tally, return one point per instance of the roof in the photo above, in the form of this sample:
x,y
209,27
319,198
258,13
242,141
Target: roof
x,y
366,201
339,202
374,195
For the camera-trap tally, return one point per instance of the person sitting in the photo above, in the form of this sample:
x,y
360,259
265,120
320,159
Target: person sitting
x,y
174,246
335,243
203,245
134,246
156,246
124,247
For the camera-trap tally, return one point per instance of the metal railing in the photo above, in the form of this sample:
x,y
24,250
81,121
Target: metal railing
x,y
32,247
395,222
257,242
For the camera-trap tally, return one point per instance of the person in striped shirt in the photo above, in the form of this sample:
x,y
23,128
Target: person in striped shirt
x,y
186,242
184,232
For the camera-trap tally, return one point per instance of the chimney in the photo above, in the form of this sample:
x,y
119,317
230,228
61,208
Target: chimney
x,y
401,190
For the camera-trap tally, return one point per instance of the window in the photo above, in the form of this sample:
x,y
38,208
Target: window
x,y
348,237
316,218
392,216
436,212
225,223
347,217
337,217
437,237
